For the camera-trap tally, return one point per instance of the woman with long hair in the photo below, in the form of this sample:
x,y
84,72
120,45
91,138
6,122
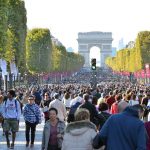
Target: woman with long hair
x,y
45,105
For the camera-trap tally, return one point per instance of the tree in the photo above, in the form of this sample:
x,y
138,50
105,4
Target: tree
x,y
3,26
38,50
134,57
17,27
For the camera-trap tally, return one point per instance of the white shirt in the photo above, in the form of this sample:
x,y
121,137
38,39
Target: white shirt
x,y
148,104
59,105
75,100
133,102
11,110
67,102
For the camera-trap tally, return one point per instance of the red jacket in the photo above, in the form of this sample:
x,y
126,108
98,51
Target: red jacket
x,y
114,108
110,101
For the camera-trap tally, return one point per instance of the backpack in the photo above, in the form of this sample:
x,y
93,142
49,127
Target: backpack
x,y
15,104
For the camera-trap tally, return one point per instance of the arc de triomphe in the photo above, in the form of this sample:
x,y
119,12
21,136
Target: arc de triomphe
x,y
102,40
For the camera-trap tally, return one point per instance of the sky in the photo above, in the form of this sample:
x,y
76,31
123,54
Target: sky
x,y
65,18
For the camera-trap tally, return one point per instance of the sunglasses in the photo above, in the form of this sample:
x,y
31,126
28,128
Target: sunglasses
x,y
46,95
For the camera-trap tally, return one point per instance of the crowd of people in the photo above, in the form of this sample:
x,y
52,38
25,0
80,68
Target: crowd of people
x,y
110,116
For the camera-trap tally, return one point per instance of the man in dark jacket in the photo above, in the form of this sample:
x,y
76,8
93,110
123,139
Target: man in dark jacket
x,y
124,131
37,95
92,109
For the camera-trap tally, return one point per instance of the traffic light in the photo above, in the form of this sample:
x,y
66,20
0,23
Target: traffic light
x,y
93,63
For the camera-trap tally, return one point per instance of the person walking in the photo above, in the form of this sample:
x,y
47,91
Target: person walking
x,y
45,105
53,132
35,91
59,105
11,114
92,109
32,117
79,134
66,100
114,106
1,110
110,99
147,126
124,131
103,114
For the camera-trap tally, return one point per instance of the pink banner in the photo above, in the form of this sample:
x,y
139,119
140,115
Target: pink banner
x,y
142,73
138,74
135,74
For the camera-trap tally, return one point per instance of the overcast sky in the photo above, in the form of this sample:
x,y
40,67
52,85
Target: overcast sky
x,y
65,18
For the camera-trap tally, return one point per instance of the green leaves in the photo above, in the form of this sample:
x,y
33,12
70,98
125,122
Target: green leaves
x,y
3,26
132,59
13,31
35,50
39,47
63,61
17,25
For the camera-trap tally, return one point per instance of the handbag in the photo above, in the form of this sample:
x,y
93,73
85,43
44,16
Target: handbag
x,y
37,118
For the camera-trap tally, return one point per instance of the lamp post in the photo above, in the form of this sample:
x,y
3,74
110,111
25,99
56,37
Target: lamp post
x,y
38,79
0,78
14,80
39,59
42,78
19,75
5,83
25,79
10,80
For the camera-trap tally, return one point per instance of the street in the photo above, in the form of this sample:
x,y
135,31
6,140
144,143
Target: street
x,y
20,138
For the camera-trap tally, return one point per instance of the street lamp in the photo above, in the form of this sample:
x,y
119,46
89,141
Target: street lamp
x,y
14,80
5,82
19,75
25,79
42,78
0,78
39,59
10,80
38,79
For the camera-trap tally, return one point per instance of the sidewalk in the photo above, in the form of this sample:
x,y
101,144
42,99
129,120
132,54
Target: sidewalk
x,y
20,138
